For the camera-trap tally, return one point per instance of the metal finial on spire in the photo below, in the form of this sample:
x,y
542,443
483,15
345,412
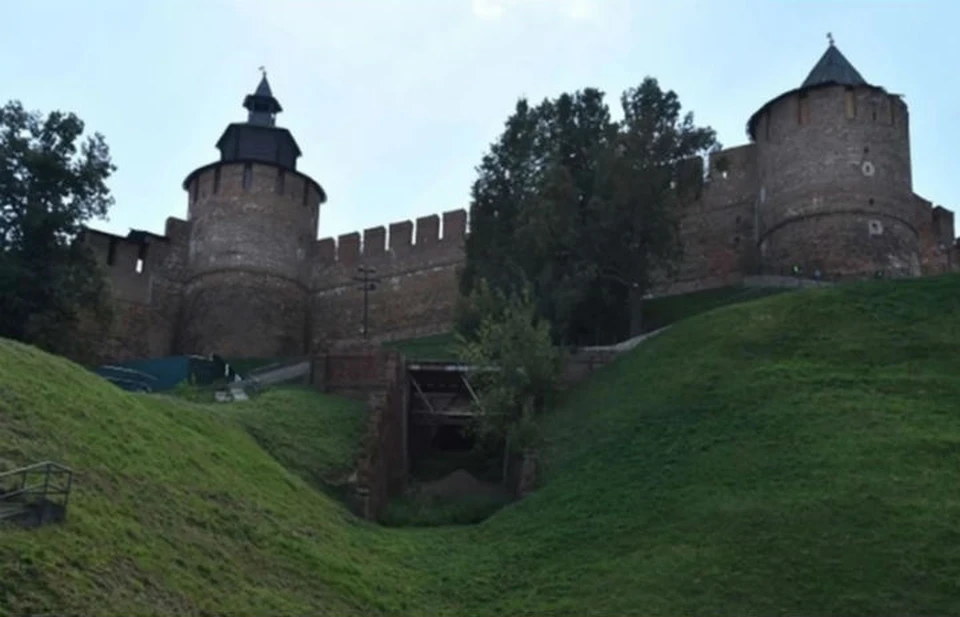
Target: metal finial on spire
x,y
829,38
263,70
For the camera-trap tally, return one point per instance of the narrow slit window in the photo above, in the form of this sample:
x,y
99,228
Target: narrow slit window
x,y
216,180
803,109
141,258
247,176
306,192
281,181
851,104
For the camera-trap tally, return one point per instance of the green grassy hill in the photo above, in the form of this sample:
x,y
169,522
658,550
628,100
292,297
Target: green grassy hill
x,y
657,313
797,454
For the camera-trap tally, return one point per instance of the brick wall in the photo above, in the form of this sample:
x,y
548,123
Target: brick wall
x,y
378,377
418,267
935,226
144,271
826,184
717,228
835,163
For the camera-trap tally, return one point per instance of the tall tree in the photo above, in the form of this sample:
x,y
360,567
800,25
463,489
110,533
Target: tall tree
x,y
512,340
583,208
52,181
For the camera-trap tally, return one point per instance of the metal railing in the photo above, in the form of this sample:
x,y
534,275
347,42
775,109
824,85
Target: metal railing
x,y
39,493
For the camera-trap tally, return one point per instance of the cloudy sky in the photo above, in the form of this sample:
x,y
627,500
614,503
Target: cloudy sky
x,y
394,101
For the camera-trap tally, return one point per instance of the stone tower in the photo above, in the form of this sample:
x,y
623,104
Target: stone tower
x,y
253,220
835,187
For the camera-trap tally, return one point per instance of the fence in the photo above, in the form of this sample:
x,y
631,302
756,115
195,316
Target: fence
x,y
39,495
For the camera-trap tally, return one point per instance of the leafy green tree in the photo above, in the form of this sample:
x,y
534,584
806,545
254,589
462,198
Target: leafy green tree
x,y
516,367
584,209
51,182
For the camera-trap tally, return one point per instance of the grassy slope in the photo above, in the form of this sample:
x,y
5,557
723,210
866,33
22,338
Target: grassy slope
x,y
176,510
318,437
657,313
660,312
792,455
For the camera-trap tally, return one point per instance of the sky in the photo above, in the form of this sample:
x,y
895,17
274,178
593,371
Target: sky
x,y
394,102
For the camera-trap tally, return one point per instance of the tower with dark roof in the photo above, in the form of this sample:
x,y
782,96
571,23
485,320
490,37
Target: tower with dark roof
x,y
253,225
835,192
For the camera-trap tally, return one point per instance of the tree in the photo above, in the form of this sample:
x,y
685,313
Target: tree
x,y
584,209
51,182
516,367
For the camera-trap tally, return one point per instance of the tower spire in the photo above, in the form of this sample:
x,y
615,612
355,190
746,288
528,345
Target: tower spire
x,y
261,105
833,68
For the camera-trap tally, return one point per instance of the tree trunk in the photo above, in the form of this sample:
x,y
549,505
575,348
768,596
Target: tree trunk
x,y
636,312
506,461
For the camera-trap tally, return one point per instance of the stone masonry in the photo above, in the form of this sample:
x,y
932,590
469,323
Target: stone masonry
x,y
823,187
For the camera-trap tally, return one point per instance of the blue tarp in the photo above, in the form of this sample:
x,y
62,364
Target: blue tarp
x,y
159,374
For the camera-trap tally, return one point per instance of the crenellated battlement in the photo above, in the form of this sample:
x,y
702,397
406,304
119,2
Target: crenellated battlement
x,y
732,176
824,184
416,264
132,262
434,236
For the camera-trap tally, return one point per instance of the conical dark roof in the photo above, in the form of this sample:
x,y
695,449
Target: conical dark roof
x,y
833,68
263,89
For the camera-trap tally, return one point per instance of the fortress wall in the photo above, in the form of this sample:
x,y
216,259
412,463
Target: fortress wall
x,y
716,229
251,216
836,160
418,267
243,314
144,271
843,246
252,226
935,228
119,257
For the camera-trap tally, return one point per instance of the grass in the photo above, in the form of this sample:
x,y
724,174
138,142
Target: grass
x,y
657,313
437,347
317,437
661,312
792,455
419,510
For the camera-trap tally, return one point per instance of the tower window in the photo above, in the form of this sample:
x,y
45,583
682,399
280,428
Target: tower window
x,y
803,109
851,101
141,258
247,176
281,181
194,189
873,110
216,180
306,191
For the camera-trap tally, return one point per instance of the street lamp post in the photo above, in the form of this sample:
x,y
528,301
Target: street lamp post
x,y
368,282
